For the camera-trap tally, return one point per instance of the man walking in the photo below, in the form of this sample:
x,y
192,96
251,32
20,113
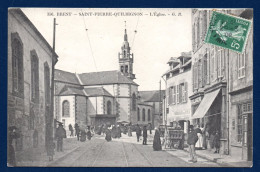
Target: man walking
x,y
60,134
71,130
144,136
77,130
192,139
138,132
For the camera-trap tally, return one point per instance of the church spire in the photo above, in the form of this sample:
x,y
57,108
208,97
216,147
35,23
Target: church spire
x,y
125,36
126,58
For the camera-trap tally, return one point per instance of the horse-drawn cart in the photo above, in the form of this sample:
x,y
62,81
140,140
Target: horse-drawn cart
x,y
174,138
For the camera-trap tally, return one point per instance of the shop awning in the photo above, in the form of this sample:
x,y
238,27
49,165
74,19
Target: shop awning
x,y
205,104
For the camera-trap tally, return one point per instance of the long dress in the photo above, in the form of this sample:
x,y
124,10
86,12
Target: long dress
x,y
129,132
88,135
157,146
83,136
199,143
108,135
114,132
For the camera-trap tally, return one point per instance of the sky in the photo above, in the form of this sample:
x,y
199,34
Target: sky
x,y
161,34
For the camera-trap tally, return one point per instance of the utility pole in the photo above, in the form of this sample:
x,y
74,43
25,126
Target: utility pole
x,y
53,127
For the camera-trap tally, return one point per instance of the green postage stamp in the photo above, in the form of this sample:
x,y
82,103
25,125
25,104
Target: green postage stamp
x,y
228,31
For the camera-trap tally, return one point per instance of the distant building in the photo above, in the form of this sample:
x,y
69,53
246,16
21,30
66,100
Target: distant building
x,y
153,98
30,60
178,90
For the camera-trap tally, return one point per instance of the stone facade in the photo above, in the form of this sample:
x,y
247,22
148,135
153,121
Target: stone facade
x,y
179,88
29,80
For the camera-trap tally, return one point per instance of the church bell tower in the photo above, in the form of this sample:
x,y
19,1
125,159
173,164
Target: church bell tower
x,y
126,59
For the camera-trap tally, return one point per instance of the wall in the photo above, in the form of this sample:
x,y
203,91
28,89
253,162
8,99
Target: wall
x,y
19,108
81,111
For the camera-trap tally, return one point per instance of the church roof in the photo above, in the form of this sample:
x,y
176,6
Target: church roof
x,y
104,78
151,96
72,91
67,77
97,91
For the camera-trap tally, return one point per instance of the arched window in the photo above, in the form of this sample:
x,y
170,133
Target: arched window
x,y
17,64
133,101
34,77
109,107
122,69
149,115
66,108
47,83
31,118
138,114
143,114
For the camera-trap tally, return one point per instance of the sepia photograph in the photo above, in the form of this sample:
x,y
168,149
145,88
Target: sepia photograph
x,y
130,87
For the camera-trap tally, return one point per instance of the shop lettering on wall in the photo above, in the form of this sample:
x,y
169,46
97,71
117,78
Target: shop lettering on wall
x,y
183,112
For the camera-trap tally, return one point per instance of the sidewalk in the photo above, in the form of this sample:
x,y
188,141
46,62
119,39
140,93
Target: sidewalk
x,y
225,160
37,157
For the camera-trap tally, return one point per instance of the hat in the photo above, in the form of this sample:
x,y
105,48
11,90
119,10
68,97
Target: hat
x,y
60,124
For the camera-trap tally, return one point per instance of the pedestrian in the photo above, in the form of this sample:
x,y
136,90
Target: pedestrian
x,y
200,138
129,131
150,128
77,130
217,142
144,135
118,131
71,130
114,131
108,135
60,135
192,139
12,134
88,133
83,135
157,146
138,132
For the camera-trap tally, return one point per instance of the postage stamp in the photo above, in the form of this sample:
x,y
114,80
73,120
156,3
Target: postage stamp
x,y
228,31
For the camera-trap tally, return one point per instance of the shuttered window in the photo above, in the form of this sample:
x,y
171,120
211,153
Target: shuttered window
x,y
177,94
241,65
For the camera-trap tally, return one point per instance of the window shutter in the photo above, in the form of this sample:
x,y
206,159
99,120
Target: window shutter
x,y
168,93
186,91
177,94
174,95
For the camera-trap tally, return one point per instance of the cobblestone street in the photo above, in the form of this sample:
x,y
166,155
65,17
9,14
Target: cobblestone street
x,y
123,152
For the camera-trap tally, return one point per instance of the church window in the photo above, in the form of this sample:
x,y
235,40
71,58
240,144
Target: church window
x,y
138,114
17,64
31,119
109,107
134,102
143,115
149,115
66,108
34,77
122,69
47,83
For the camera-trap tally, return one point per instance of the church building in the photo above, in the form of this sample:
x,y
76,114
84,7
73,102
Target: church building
x,y
96,98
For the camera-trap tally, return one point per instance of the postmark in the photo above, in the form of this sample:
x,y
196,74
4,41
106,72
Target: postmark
x,y
228,31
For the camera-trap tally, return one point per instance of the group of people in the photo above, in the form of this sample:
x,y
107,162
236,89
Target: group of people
x,y
198,138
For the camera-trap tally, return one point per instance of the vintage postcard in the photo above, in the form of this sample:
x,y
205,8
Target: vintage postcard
x,y
130,87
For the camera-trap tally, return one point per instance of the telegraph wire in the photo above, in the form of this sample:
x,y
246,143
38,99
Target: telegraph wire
x,y
135,32
86,31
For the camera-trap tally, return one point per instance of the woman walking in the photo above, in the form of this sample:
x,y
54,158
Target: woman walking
x,y
157,146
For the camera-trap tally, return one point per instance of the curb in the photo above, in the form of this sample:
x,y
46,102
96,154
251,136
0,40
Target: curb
x,y
215,160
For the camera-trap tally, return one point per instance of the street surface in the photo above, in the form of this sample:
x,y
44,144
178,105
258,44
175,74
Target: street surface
x,y
125,152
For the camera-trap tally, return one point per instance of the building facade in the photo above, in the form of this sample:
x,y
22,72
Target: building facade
x,y
178,89
30,60
241,97
220,84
